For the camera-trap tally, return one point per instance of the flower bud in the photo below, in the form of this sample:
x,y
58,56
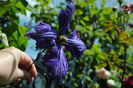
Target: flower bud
x,y
115,8
111,82
103,73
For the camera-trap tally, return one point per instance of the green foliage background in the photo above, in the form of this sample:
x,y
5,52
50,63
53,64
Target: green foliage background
x,y
104,30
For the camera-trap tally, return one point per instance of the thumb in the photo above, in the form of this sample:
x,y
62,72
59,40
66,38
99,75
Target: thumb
x,y
22,74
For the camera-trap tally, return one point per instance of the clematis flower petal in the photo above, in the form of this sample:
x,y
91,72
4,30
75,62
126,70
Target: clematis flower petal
x,y
65,18
75,45
56,62
44,35
45,44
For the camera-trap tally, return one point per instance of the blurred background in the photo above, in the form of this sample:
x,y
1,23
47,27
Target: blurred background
x,y
105,28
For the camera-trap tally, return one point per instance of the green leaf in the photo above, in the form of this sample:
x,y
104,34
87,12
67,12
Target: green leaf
x,y
129,40
9,30
22,8
13,1
96,48
102,65
87,78
116,59
104,55
82,22
25,3
4,6
86,18
79,12
88,52
15,34
22,30
20,5
109,26
123,36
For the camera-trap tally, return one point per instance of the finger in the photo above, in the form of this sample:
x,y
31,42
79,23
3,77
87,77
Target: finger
x,y
25,59
29,79
18,80
22,74
27,62
33,71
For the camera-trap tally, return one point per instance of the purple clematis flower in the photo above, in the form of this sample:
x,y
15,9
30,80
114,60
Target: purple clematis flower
x,y
56,62
46,37
65,17
75,45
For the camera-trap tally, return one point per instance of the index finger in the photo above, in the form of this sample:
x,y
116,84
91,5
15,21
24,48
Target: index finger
x,y
26,63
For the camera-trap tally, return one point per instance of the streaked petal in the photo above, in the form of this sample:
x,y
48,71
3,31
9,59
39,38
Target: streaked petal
x,y
65,17
43,27
45,44
56,62
75,45
44,35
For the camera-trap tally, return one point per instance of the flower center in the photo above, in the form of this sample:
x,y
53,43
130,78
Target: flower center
x,y
61,39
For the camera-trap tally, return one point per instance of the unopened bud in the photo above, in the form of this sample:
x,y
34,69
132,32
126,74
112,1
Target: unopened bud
x,y
111,82
115,8
103,73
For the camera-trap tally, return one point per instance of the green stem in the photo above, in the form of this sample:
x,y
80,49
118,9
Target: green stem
x,y
94,81
38,57
124,66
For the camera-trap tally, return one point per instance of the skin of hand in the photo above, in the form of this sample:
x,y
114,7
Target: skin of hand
x,y
15,64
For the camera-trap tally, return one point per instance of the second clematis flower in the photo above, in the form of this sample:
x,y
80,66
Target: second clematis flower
x,y
56,62
46,37
74,44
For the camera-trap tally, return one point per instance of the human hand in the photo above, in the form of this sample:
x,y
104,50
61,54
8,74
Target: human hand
x,y
14,64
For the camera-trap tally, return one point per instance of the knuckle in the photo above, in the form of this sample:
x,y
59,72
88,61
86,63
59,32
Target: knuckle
x,y
12,47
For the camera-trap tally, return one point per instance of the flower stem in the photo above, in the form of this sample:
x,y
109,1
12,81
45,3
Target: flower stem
x,y
94,81
38,57
124,64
